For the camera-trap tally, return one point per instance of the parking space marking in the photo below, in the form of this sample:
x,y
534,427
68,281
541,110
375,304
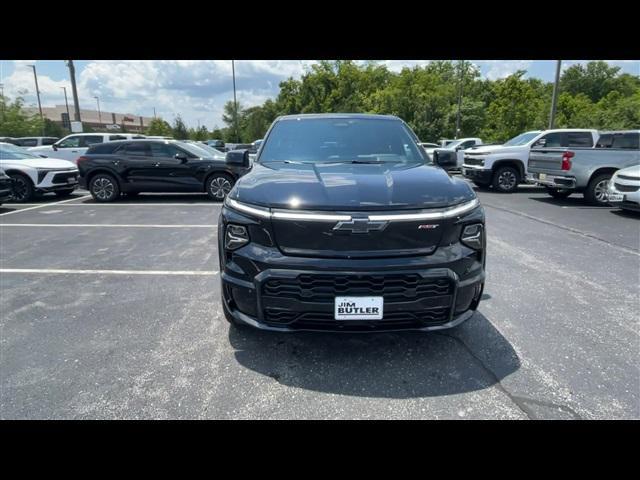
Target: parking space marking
x,y
110,272
118,204
44,205
90,225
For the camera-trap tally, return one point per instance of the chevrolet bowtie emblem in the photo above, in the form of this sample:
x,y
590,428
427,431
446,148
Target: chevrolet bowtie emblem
x,y
360,225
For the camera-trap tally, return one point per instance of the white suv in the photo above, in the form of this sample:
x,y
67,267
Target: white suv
x,y
75,145
505,166
33,174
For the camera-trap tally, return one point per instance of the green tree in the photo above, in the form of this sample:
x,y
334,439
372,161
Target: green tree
x,y
179,129
514,110
595,80
158,127
14,122
231,117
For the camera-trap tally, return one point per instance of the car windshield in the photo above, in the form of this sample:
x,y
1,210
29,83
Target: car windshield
x,y
329,140
13,152
212,152
521,139
201,150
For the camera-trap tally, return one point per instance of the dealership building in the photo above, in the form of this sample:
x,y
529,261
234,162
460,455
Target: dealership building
x,y
94,119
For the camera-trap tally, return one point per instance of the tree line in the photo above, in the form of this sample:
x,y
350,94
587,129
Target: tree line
x,y
595,95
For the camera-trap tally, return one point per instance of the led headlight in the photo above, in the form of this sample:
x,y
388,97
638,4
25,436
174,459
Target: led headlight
x,y
472,236
235,237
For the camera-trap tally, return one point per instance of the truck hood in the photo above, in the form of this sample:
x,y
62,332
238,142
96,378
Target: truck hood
x,y
630,171
38,163
42,148
497,149
339,186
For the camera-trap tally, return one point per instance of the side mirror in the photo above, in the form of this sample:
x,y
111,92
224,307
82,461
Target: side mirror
x,y
55,147
540,143
182,157
238,158
445,159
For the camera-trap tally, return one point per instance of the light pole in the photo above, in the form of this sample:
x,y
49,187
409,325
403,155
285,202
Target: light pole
x,y
35,76
235,103
66,102
74,90
554,98
2,98
99,114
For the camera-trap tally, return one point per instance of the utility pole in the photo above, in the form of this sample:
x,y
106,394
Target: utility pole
x,y
99,114
235,103
461,66
66,102
74,90
554,98
35,76
154,112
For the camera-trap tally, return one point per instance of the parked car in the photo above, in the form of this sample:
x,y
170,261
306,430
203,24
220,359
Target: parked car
x,y
624,189
6,187
34,141
344,224
504,167
134,166
430,147
74,145
217,144
585,170
456,149
8,140
33,174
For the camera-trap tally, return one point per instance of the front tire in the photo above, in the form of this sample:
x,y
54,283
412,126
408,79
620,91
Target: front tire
x,y
219,185
558,193
506,179
596,192
104,188
23,189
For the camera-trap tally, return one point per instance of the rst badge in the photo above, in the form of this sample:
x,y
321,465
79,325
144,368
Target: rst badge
x,y
428,226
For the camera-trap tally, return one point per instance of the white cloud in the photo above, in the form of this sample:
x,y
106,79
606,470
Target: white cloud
x,y
503,68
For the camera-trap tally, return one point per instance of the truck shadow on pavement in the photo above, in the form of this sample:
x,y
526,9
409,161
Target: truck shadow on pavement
x,y
576,201
471,357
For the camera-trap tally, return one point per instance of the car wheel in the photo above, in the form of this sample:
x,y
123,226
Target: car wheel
x,y
596,192
23,190
64,193
506,179
219,185
558,193
104,188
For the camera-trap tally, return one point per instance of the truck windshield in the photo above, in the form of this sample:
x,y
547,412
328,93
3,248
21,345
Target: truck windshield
x,y
341,140
521,139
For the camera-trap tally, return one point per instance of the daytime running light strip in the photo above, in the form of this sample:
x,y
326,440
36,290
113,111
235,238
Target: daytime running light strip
x,y
451,212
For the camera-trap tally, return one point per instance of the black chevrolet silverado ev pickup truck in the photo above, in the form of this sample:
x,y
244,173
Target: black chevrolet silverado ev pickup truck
x,y
345,224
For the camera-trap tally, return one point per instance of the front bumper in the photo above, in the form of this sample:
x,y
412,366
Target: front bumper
x,y
455,275
630,199
481,175
53,180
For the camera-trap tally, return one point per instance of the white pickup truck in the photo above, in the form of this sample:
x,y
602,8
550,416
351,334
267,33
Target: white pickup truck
x,y
75,145
505,166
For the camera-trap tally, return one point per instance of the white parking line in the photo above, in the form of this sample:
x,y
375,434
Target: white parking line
x,y
109,272
89,225
43,205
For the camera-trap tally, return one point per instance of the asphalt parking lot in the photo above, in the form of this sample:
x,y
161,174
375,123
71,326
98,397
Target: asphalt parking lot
x,y
112,311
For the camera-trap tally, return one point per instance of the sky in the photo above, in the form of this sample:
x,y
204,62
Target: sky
x,y
197,89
